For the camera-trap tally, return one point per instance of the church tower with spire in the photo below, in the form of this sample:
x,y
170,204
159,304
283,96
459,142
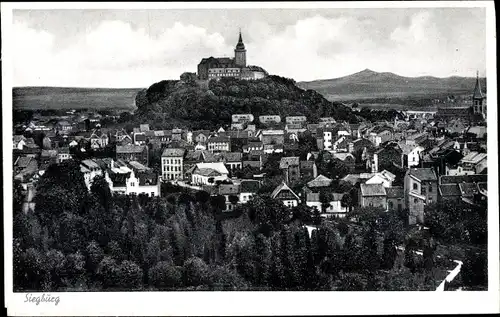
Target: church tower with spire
x,y
478,98
240,53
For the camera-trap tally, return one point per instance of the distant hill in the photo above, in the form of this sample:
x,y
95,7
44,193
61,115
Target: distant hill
x,y
369,84
34,98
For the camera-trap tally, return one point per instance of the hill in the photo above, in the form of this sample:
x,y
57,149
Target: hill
x,y
57,98
209,106
369,84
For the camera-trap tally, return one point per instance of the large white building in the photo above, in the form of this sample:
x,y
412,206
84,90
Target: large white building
x,y
172,161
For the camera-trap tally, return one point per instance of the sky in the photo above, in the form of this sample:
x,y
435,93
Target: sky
x,y
136,48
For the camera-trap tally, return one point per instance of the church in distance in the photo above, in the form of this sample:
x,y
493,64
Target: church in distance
x,y
218,67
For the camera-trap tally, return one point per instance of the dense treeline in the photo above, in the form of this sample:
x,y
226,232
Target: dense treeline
x,y
90,240
169,102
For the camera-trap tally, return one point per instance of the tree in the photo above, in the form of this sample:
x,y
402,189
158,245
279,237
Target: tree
x,y
475,269
196,272
268,213
165,276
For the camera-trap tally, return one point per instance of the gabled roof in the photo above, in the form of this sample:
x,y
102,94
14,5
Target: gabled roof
x,y
280,188
423,174
23,161
373,190
217,166
320,181
285,162
206,172
343,156
474,157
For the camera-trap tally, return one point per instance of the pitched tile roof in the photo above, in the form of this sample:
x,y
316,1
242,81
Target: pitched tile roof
x,y
395,192
373,190
229,189
423,174
232,156
475,178
280,188
312,197
249,186
449,190
147,178
130,148
289,161
320,181
173,152
307,164
468,189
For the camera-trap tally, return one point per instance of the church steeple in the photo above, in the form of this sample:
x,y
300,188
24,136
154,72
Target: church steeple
x,y
240,53
478,94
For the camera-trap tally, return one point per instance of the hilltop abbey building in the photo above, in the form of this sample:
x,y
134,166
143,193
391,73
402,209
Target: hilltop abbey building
x,y
213,67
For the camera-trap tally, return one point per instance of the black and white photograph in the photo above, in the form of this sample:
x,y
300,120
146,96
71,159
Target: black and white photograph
x,y
222,149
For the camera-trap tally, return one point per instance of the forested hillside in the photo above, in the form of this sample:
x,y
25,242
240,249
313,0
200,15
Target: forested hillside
x,y
186,102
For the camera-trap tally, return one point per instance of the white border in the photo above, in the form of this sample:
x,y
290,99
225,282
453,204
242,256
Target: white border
x,y
258,303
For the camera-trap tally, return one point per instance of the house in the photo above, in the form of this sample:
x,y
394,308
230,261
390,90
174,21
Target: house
x,y
144,127
120,136
291,169
271,136
140,138
133,152
334,209
63,154
390,154
270,119
25,164
49,157
18,142
63,127
176,134
248,189
385,178
472,163
373,195
98,139
308,170
90,170
421,188
324,139
218,144
146,183
457,125
410,154
273,148
296,119
395,198
478,131
360,144
347,158
253,159
380,135
209,173
172,160
450,192
233,160
286,195
231,194
253,146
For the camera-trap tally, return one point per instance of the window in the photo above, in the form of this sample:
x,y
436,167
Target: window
x,y
430,188
391,205
423,191
152,194
415,186
415,201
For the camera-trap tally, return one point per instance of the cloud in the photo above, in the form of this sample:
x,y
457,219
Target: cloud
x,y
114,53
